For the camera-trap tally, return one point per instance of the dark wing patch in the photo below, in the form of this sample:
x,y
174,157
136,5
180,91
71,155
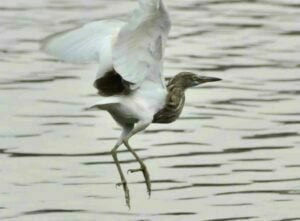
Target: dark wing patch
x,y
111,84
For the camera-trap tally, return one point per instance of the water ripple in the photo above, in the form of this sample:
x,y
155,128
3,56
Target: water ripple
x,y
234,218
47,211
272,135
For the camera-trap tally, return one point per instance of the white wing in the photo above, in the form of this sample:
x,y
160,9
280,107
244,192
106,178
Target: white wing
x,y
104,103
138,51
85,44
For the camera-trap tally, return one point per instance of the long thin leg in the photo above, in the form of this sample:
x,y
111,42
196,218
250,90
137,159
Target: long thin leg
x,y
143,168
125,132
139,127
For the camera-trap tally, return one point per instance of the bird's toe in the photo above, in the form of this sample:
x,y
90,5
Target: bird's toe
x,y
134,170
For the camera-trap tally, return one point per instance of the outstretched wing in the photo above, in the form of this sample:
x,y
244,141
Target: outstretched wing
x,y
85,44
134,49
139,48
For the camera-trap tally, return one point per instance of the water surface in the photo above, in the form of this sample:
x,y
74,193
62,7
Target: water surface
x,y
233,155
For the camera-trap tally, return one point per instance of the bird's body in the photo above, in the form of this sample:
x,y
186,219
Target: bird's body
x,y
130,78
138,105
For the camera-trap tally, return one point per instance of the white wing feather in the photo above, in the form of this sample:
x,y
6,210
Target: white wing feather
x,y
104,103
134,49
84,44
138,51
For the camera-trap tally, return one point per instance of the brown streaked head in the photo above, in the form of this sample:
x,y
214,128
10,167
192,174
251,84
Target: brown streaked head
x,y
189,79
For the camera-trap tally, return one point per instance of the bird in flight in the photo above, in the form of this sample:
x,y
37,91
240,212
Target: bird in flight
x,y
130,78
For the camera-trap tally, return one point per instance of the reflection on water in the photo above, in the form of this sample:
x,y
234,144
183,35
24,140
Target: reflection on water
x,y
233,155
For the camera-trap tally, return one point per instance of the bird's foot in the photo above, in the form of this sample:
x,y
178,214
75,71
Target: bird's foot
x,y
146,176
134,170
120,184
126,192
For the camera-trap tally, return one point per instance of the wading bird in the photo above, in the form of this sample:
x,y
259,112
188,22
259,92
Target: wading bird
x,y
130,77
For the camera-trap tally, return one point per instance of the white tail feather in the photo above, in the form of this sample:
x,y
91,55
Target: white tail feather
x,y
103,104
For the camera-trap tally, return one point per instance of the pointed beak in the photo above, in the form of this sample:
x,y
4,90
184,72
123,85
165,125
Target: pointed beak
x,y
203,79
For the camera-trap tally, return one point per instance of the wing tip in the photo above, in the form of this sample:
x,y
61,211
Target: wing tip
x,y
49,45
